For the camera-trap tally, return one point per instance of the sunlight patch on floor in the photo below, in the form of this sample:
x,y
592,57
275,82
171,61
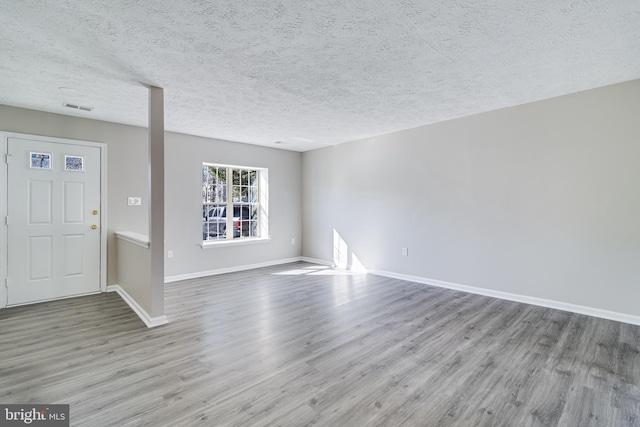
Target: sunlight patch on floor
x,y
322,270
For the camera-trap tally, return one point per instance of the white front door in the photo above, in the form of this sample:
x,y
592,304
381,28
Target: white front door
x,y
53,231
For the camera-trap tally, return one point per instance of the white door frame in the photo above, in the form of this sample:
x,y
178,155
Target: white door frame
x,y
4,243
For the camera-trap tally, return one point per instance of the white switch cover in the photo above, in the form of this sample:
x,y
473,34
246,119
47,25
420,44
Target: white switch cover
x,y
134,201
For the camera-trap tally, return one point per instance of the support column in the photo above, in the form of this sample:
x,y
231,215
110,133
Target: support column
x,y
156,198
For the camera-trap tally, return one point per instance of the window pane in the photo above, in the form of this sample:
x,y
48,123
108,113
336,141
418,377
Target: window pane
x,y
221,174
214,185
219,193
245,228
209,211
214,222
207,185
243,200
237,194
221,184
244,212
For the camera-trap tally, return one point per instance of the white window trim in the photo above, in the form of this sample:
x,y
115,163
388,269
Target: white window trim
x,y
263,213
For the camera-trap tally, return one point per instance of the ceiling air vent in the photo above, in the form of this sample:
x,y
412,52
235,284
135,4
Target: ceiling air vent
x,y
77,107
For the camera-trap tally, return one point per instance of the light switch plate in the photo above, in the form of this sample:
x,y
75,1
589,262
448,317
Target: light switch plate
x,y
134,201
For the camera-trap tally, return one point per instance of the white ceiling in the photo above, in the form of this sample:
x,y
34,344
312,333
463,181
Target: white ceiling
x,y
309,73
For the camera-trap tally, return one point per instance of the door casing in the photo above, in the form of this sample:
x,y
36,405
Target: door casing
x,y
4,243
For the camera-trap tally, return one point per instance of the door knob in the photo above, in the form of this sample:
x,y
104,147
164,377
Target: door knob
x,y
93,227
95,212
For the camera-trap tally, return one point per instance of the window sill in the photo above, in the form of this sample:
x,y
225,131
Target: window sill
x,y
209,244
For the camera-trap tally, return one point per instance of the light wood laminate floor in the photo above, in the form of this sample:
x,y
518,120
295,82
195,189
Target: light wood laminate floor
x,y
299,344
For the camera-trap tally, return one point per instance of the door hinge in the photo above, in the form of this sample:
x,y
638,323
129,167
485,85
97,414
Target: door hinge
x,y
6,220
6,282
6,158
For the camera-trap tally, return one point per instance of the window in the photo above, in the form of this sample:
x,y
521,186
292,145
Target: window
x,y
233,202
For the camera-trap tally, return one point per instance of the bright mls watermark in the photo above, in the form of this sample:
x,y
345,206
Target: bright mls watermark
x,y
34,415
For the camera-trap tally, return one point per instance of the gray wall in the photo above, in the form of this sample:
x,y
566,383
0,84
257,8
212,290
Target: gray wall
x,y
539,200
126,164
128,174
134,273
184,155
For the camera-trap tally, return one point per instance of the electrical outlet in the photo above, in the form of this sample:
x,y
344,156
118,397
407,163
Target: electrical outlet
x,y
405,251
169,254
134,201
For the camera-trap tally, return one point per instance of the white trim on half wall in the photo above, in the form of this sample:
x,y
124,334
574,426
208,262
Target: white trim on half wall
x,y
151,322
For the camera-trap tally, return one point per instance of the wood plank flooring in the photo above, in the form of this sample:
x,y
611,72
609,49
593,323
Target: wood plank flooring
x,y
299,345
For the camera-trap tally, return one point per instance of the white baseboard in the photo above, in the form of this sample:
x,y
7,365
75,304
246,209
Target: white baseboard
x,y
234,269
316,261
558,305
151,322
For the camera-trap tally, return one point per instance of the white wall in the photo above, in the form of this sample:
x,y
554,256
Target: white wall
x,y
184,155
539,200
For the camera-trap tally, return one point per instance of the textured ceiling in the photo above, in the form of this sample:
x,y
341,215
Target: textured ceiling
x,y
309,73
